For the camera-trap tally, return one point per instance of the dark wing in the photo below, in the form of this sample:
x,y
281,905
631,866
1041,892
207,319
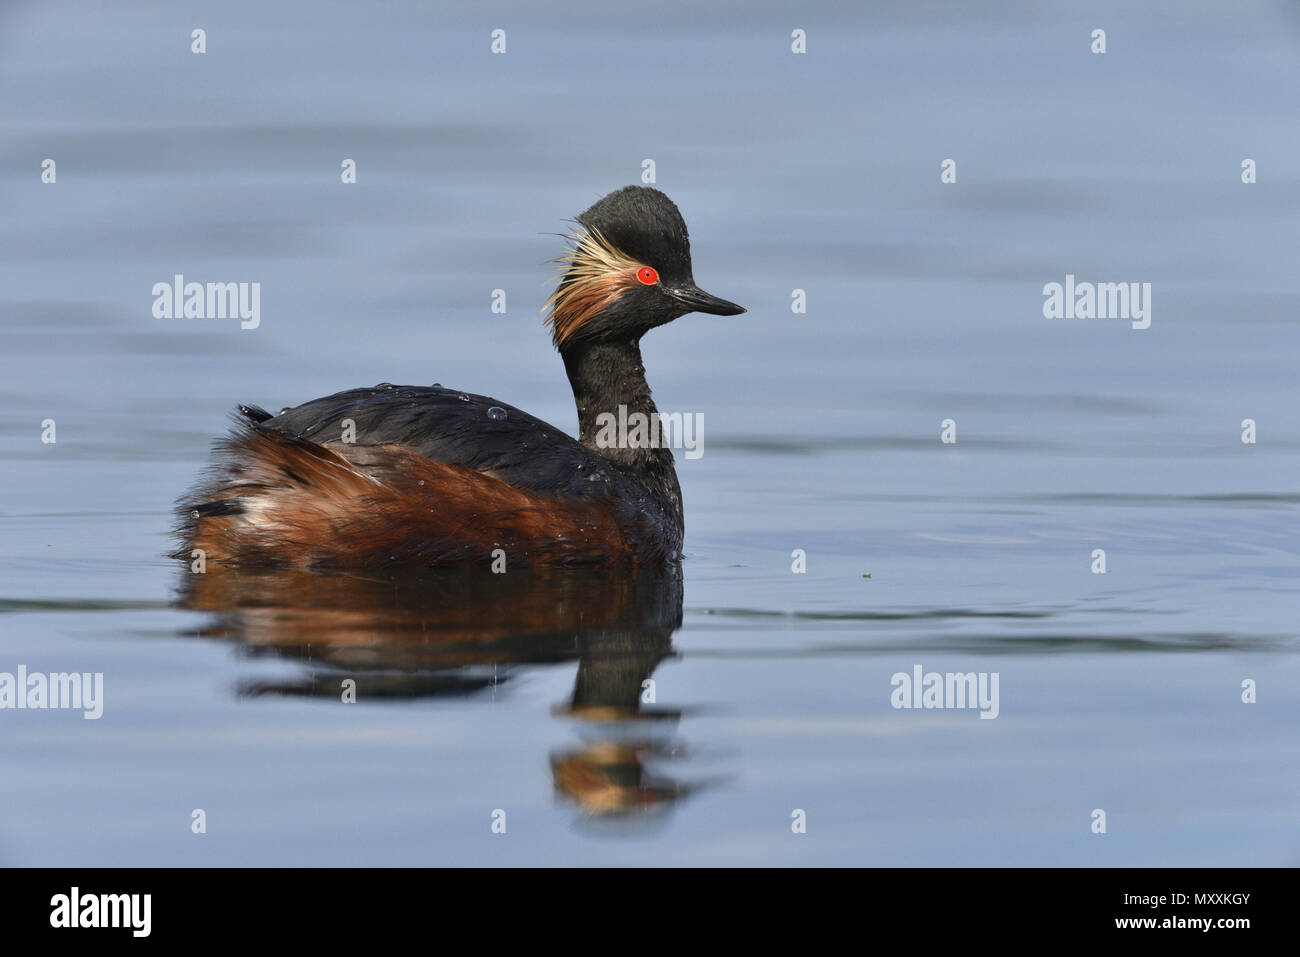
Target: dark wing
x,y
456,428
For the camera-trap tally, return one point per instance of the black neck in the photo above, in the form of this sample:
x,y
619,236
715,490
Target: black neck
x,y
605,376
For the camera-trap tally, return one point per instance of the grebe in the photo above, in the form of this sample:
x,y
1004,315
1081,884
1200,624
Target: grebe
x,y
422,475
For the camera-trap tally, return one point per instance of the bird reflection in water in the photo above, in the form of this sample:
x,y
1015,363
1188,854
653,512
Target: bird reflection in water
x,y
434,633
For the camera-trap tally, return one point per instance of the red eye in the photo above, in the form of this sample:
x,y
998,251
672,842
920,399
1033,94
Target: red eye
x,y
647,275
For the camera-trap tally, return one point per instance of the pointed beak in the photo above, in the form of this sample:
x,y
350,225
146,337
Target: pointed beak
x,y
696,299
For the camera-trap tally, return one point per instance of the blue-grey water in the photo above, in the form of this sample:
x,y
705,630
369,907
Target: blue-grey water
x,y
1120,692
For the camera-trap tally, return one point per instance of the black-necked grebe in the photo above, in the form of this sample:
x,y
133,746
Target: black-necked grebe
x,y
412,475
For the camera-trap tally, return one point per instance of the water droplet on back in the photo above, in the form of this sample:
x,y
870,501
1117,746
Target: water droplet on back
x,y
496,413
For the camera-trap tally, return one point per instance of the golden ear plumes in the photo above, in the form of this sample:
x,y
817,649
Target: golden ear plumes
x,y
595,275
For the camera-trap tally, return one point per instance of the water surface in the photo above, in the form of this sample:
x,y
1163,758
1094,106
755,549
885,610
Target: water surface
x,y
818,172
